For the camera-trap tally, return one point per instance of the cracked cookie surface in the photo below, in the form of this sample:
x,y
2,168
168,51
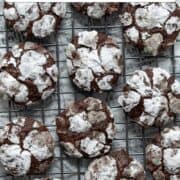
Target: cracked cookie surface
x,y
116,165
86,128
26,147
94,61
37,19
28,74
152,27
96,10
151,97
163,155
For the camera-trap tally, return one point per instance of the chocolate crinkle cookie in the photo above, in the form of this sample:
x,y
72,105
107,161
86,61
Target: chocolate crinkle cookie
x,y
96,10
86,128
115,166
37,19
26,147
151,97
152,27
163,155
94,61
28,73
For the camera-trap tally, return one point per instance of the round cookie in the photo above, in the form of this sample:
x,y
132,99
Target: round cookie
x,y
28,73
163,155
116,165
94,61
151,97
37,19
26,147
151,27
86,128
96,10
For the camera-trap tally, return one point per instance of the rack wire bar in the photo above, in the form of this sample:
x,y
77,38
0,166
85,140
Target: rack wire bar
x,y
129,135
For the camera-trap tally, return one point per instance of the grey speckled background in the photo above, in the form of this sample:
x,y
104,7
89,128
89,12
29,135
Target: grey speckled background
x,y
129,135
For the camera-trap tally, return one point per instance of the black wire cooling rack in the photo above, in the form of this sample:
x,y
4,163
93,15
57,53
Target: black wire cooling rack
x,y
129,135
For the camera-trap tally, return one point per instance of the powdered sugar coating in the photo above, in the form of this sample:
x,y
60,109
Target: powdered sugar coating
x,y
149,97
96,10
163,155
38,19
104,168
94,65
116,165
86,128
22,140
160,21
79,123
27,74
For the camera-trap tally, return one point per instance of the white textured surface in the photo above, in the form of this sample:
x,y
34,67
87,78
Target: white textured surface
x,y
104,168
13,157
79,123
149,16
91,62
136,145
170,137
36,15
172,160
37,144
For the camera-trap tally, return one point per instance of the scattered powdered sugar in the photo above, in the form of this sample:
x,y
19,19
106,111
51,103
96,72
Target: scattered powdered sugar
x,y
104,168
79,123
93,65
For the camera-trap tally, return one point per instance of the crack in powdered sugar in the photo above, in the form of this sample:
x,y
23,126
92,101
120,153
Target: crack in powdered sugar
x,y
94,65
25,146
149,97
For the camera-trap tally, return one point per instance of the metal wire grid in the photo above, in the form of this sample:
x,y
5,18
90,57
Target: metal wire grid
x,y
124,125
